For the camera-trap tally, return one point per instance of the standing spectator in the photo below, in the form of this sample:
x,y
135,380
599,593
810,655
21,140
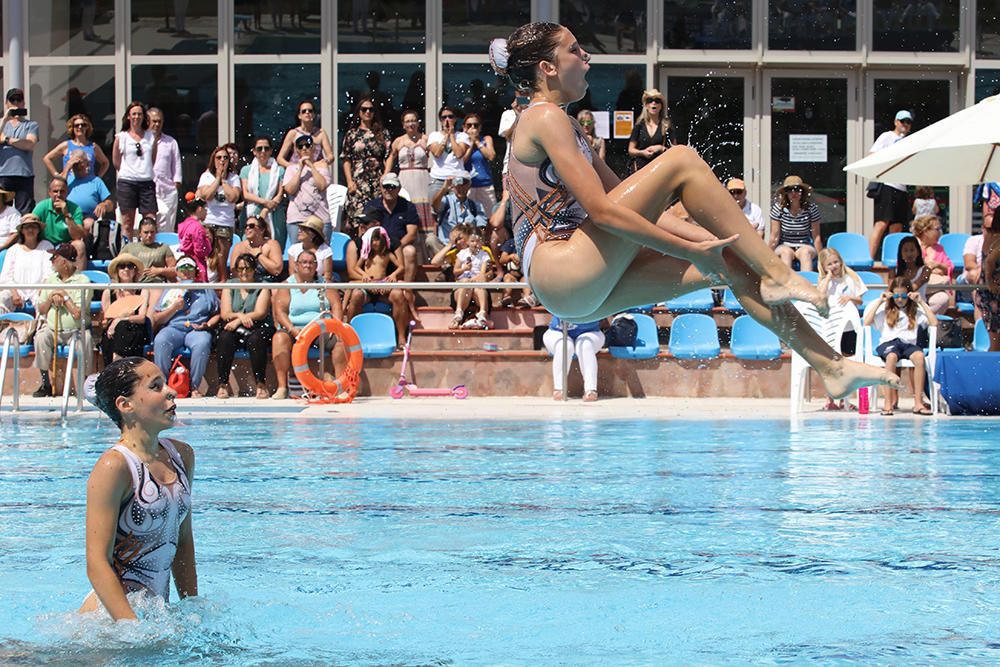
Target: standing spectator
x,y
477,163
88,191
305,183
63,220
195,240
9,219
27,261
127,333
398,217
18,136
311,240
924,202
507,119
448,149
409,151
795,221
262,191
892,208
652,133
60,161
66,306
157,258
927,229
987,297
320,148
246,323
265,251
184,318
586,119
366,149
133,155
454,207
219,187
166,173
585,340
738,189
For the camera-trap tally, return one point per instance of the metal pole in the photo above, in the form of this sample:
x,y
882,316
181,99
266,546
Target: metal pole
x,y
564,325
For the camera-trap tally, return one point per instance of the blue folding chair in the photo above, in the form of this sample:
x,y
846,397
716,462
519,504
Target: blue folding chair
x,y
890,248
338,244
853,248
731,303
99,278
168,238
647,340
752,340
698,301
870,278
954,244
811,276
694,336
980,337
377,333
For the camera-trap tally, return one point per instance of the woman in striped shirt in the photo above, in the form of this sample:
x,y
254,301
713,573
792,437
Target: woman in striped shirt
x,y
795,223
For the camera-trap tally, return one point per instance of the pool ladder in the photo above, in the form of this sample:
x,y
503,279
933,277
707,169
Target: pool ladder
x,y
12,347
10,338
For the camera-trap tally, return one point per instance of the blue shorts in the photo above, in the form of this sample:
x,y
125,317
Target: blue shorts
x,y
899,348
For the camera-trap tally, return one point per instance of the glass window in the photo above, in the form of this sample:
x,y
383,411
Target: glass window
x,y
171,27
987,83
988,28
273,30
916,26
391,26
603,27
187,95
707,114
72,28
707,24
267,99
394,87
477,89
821,25
469,25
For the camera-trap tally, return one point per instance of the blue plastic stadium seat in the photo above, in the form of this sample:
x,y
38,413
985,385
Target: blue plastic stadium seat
x,y
694,336
953,244
811,276
853,248
169,238
890,248
698,301
99,278
729,302
338,244
870,278
980,338
98,265
752,340
377,333
647,340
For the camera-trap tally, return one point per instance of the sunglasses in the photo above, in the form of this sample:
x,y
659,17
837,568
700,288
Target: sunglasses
x,y
222,156
304,144
128,267
187,267
307,111
586,123
245,269
736,191
795,188
138,149
262,149
83,125
367,109
390,187
447,116
252,225
900,296
655,100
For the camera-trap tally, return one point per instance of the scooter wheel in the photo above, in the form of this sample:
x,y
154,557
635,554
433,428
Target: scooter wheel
x,y
397,391
460,391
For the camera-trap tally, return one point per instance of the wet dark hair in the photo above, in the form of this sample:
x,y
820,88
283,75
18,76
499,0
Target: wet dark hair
x,y
119,378
526,47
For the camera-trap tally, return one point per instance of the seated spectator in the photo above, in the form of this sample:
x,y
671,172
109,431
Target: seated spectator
x,y
63,220
473,264
310,232
454,207
510,262
126,329
265,251
184,318
842,287
88,191
60,160
448,254
585,340
498,227
246,323
972,255
399,218
795,222
738,189
9,219
378,265
195,240
219,186
60,310
401,310
293,309
157,257
927,229
26,262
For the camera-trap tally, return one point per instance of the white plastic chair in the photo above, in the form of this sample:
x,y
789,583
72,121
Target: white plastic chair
x,y
930,361
831,329
336,197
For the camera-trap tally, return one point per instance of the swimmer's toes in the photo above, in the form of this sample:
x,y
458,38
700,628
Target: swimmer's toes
x,y
848,376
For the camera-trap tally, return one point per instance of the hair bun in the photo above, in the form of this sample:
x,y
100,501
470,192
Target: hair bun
x,y
499,55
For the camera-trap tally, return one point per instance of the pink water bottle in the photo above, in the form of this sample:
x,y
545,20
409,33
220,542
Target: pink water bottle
x,y
863,401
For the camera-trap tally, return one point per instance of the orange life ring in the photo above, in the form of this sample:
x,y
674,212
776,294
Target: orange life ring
x,y
345,387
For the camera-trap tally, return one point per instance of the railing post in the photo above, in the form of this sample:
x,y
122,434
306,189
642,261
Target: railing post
x,y
564,325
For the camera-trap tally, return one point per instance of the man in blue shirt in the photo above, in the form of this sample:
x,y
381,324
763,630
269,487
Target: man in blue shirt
x,y
88,191
399,218
18,137
453,206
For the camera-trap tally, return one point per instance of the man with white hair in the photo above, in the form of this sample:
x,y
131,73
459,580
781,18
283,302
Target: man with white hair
x,y
166,173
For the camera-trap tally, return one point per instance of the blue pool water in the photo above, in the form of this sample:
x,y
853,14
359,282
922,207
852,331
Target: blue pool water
x,y
562,542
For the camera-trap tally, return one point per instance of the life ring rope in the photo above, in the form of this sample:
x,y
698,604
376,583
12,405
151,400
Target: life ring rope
x,y
345,387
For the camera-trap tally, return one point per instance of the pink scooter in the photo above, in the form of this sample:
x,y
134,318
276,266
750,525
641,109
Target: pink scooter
x,y
403,387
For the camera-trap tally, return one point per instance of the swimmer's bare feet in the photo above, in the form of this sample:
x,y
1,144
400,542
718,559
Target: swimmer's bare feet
x,y
796,289
843,377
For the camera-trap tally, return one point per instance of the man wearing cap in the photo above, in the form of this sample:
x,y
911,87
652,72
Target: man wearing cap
x,y
738,189
63,220
9,219
454,207
88,191
62,309
399,218
18,137
166,172
892,206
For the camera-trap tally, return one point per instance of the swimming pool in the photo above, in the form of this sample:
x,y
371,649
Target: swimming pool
x,y
488,542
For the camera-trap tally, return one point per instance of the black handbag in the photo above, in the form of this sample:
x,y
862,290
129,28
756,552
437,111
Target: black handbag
x,y
874,188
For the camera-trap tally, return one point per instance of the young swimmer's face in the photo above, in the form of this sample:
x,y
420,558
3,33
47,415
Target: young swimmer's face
x,y
152,401
572,64
834,266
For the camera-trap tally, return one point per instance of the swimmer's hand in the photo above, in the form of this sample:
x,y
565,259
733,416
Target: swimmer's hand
x,y
715,245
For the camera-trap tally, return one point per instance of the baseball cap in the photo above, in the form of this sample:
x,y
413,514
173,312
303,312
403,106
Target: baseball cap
x,y
390,179
903,114
65,250
736,184
461,178
186,262
304,140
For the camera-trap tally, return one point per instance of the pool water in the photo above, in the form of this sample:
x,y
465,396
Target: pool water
x,y
559,542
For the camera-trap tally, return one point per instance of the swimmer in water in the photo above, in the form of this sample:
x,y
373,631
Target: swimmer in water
x,y
592,245
139,495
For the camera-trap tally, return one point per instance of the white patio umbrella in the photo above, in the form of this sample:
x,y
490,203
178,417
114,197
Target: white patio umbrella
x,y
962,149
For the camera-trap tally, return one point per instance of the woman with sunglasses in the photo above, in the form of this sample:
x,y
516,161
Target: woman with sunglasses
x,y
585,117
305,184
219,187
133,155
126,329
307,127
652,133
448,147
477,163
262,191
265,251
795,222
409,151
80,131
599,245
363,156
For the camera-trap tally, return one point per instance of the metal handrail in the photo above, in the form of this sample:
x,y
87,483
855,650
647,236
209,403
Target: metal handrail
x,y
75,341
8,335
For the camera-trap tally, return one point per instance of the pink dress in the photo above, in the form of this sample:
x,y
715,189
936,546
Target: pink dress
x,y
414,176
196,243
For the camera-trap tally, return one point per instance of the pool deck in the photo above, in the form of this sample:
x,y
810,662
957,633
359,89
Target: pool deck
x,y
485,408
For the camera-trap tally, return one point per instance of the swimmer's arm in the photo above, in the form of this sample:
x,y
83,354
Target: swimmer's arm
x,y
609,179
184,568
109,482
